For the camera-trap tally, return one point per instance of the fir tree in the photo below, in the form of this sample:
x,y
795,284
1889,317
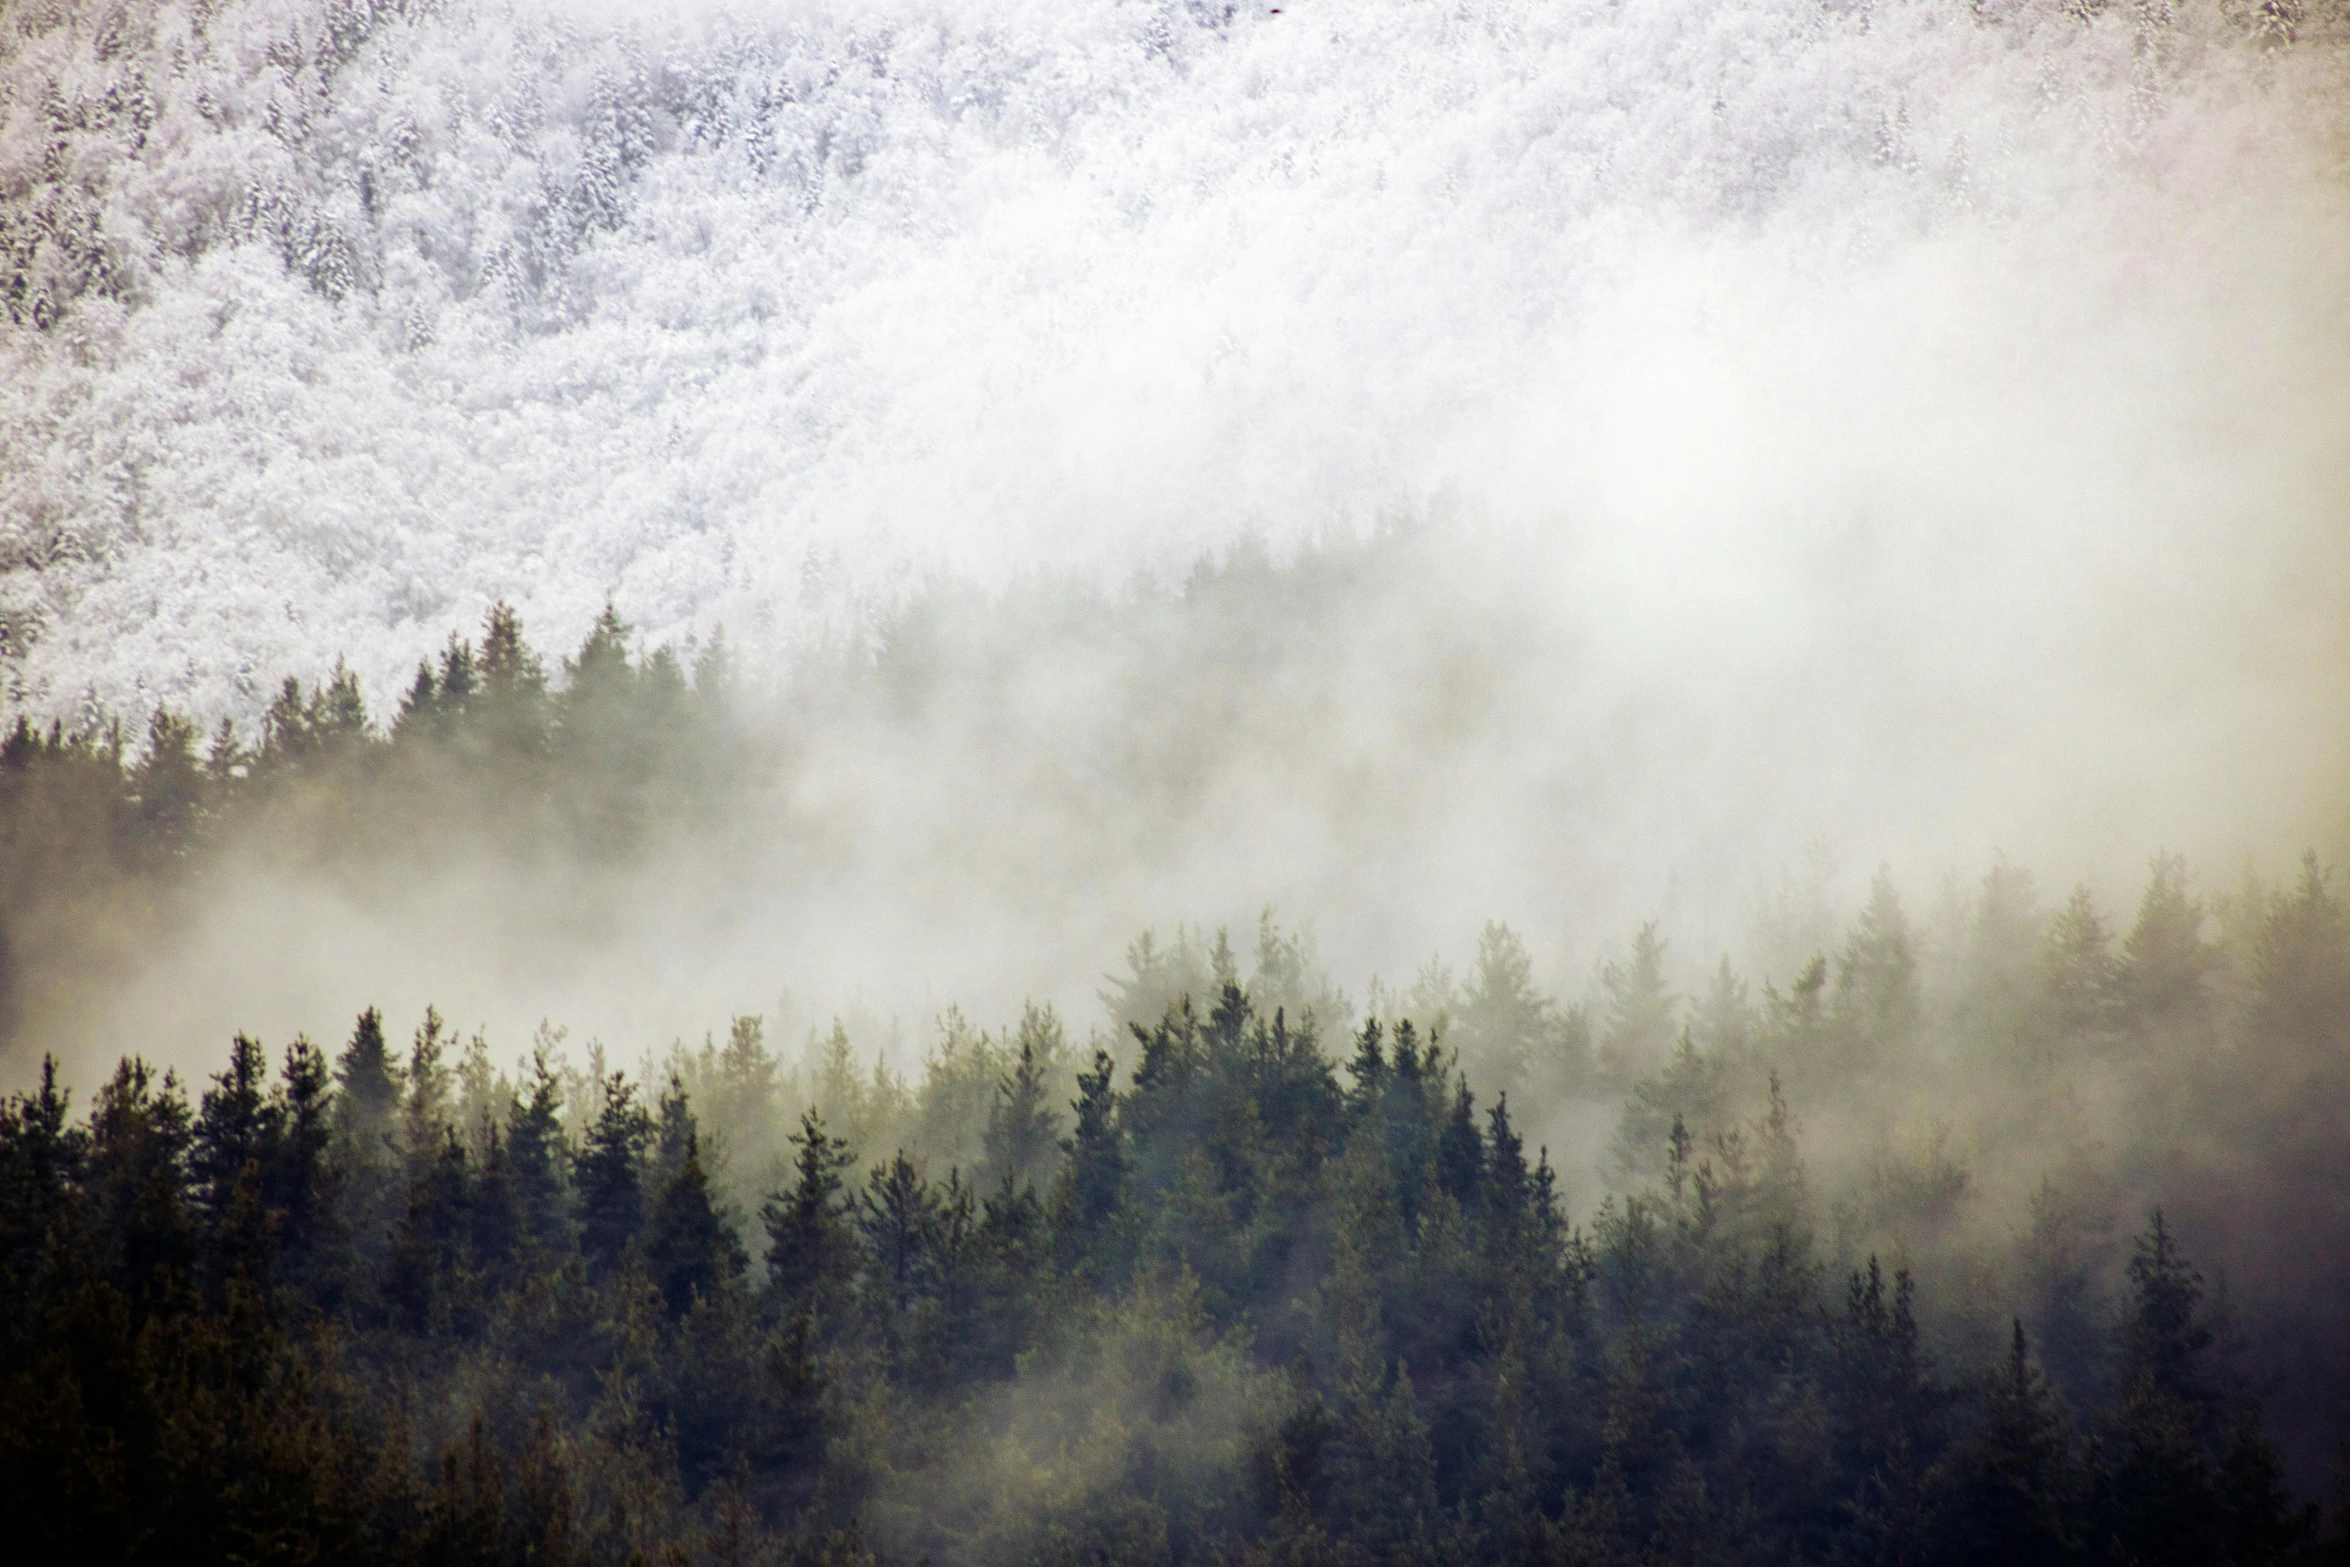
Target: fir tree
x,y
611,1170
1460,1151
1639,1022
2165,963
536,1154
1021,1126
809,1247
2011,1488
1097,1158
690,1251
1877,1000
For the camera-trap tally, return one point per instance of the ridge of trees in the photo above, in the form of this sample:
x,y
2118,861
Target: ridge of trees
x,y
1200,1291
1250,1306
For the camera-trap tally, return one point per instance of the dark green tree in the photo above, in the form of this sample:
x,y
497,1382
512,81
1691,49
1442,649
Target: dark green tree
x,y
1022,1129
898,1216
1097,1155
611,1175
690,1250
811,1249
2011,1490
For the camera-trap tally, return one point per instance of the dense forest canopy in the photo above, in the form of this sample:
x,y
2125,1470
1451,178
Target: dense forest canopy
x,y
1987,1233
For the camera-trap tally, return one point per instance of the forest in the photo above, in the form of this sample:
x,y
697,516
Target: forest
x,y
1245,1273
1238,954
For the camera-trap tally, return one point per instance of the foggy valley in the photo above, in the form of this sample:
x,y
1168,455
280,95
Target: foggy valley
x,y
1154,782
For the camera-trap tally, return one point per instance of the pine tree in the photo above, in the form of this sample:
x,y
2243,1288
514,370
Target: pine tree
x,y
460,682
690,1251
433,1240
2260,1524
611,1170
2011,1489
287,742
536,1153
1998,972
746,1107
1723,1024
898,1217
1368,1068
369,1080
1876,1000
2157,1493
169,785
2166,965
237,1126
235,1155
1513,1195
1505,1026
2301,972
1460,1151
42,1159
810,1253
2077,970
1021,1126
366,1143
338,716
424,1110
1639,1021
1097,1158
303,1187
1888,1405
419,715
507,711
2167,1335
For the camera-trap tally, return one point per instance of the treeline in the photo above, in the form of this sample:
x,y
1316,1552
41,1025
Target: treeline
x,y
100,840
482,734
1237,1303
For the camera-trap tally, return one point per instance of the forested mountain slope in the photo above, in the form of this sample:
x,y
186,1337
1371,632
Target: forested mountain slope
x,y
630,605
326,323
1984,1101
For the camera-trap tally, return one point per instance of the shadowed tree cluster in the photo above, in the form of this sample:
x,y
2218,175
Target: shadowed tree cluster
x,y
1241,1302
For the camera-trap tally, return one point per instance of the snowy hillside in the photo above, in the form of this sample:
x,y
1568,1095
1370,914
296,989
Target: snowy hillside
x,y
328,322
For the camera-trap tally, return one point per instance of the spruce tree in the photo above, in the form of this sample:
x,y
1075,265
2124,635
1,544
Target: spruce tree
x,y
1505,1028
690,1251
1097,1158
611,1169
898,1216
1460,1151
810,1252
1877,1000
303,1189
1021,1127
1639,1023
369,1080
234,1160
2161,984
2158,1502
2011,1489
536,1156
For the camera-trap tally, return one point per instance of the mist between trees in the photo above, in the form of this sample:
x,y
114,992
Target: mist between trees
x,y
1999,1232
